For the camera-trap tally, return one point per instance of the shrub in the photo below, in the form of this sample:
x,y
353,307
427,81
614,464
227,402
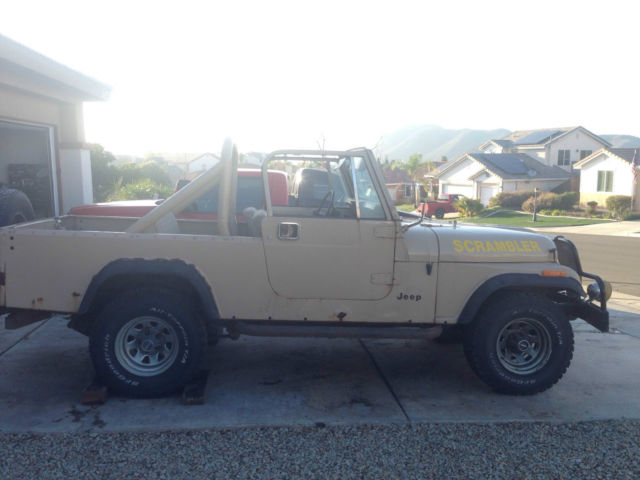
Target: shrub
x,y
567,200
510,199
591,207
558,213
545,201
468,207
546,212
141,190
619,205
552,201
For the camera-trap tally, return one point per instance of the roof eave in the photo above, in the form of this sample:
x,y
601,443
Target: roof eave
x,y
35,62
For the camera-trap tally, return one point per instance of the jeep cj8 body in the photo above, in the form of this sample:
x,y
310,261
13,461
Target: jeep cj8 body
x,y
150,292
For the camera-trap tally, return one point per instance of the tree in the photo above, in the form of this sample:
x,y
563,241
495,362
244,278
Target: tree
x,y
103,174
413,165
110,182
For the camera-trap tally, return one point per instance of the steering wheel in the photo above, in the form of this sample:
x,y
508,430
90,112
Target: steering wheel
x,y
328,196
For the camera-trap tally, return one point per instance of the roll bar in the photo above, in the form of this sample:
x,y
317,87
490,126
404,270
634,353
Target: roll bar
x,y
190,192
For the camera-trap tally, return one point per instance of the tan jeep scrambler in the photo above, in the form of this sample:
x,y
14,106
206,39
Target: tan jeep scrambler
x,y
150,292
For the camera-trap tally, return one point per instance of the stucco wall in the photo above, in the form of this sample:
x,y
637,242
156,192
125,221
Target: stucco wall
x,y
515,185
16,105
67,122
574,142
622,178
458,176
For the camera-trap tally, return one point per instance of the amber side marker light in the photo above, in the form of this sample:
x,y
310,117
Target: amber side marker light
x,y
554,273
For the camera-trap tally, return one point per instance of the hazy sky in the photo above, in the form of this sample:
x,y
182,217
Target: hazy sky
x,y
276,74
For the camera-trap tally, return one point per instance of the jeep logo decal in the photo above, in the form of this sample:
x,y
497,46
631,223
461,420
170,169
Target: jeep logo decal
x,y
404,296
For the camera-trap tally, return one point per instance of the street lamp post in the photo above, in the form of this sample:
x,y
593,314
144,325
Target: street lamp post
x,y
535,201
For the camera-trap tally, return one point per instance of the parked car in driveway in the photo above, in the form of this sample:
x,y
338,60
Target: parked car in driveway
x,y
250,192
444,204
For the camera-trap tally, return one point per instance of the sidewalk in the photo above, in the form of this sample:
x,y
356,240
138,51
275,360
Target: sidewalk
x,y
630,228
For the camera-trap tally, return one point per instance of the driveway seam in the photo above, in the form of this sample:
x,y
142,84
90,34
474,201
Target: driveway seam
x,y
24,336
384,379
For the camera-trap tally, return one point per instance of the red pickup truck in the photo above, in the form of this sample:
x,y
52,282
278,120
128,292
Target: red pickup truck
x,y
444,204
250,194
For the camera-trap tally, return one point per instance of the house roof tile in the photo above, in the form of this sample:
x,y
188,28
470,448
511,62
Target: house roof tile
x,y
512,166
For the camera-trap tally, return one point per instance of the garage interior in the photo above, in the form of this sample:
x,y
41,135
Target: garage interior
x,y
26,164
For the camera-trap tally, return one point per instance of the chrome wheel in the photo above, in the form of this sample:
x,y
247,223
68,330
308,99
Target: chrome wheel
x,y
146,346
524,346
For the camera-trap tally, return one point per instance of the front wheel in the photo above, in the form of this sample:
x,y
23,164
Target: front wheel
x,y
520,344
440,213
147,343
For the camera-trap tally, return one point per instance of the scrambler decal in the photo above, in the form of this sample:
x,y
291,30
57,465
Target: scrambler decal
x,y
495,246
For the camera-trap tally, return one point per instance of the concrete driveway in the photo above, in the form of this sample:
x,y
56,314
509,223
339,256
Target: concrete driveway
x,y
262,381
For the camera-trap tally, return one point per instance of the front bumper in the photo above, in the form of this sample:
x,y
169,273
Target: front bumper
x,y
593,314
596,315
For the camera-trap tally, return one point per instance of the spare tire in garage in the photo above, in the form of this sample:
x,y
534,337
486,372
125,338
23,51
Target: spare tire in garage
x,y
15,207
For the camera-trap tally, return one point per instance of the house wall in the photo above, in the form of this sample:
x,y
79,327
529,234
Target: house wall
x,y
205,162
67,122
539,153
458,177
575,141
515,185
492,148
622,179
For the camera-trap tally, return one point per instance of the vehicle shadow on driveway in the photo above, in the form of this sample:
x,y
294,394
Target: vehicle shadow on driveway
x,y
271,381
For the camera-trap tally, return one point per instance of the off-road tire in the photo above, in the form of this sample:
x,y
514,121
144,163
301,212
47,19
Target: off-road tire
x,y
157,315
440,213
485,340
15,207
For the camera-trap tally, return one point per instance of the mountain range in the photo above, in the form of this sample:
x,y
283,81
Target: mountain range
x,y
435,142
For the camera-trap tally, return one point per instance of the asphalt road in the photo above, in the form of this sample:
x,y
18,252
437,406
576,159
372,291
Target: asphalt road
x,y
616,259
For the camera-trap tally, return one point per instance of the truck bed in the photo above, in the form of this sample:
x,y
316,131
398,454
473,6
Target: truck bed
x,y
80,246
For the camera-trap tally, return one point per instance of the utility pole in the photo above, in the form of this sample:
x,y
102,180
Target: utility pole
x,y
535,200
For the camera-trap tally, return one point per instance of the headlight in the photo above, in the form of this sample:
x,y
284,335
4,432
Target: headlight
x,y
593,291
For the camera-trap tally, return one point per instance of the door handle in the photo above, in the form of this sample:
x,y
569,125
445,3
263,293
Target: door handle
x,y
288,231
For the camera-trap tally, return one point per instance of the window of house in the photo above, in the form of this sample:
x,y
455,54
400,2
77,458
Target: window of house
x,y
585,153
605,181
407,190
564,157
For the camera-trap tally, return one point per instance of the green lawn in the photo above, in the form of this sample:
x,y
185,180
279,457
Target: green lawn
x,y
519,219
406,207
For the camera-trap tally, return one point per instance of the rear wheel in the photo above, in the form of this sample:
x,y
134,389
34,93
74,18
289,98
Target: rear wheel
x,y
520,344
147,343
440,213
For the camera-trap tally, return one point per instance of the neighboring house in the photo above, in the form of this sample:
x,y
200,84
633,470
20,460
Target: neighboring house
x,y
483,175
561,147
401,192
609,171
202,162
42,145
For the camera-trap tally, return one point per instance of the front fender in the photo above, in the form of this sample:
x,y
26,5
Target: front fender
x,y
510,281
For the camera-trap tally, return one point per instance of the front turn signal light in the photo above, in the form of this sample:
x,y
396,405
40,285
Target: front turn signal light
x,y
554,273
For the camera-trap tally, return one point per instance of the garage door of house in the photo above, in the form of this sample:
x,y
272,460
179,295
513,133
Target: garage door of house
x,y
26,164
465,190
488,191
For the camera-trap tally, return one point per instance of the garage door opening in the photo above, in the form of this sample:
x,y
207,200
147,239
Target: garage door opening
x,y
26,164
